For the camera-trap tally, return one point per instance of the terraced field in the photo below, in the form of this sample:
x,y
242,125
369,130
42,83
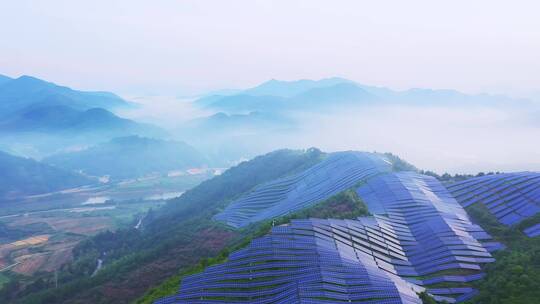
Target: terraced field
x,y
510,197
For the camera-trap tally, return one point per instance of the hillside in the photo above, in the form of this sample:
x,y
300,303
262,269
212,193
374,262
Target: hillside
x,y
129,157
22,176
338,172
404,234
513,276
511,198
418,239
182,227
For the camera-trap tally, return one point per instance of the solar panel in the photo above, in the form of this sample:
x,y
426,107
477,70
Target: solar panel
x,y
338,172
417,233
510,197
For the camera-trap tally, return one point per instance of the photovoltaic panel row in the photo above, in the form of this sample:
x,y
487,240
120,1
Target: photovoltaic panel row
x,y
418,238
338,172
301,263
510,197
436,232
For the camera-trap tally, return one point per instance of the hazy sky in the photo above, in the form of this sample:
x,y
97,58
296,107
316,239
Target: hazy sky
x,y
187,46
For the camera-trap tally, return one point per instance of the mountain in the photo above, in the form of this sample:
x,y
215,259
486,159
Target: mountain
x,y
26,91
130,157
310,95
38,118
23,176
336,95
67,120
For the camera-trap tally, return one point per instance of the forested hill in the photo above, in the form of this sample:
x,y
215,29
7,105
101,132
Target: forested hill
x,y
135,260
24,176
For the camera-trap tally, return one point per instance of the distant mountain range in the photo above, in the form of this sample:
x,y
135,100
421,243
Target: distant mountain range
x,y
24,176
67,120
316,95
130,157
32,105
289,89
47,117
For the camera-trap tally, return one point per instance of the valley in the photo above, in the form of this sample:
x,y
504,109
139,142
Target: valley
x,y
269,152
39,232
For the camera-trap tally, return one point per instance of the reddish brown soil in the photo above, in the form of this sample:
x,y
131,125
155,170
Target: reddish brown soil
x,y
30,264
138,281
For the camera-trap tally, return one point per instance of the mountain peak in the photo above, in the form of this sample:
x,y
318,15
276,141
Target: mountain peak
x,y
31,80
283,88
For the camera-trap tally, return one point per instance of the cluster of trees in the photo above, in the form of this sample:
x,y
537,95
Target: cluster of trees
x,y
399,164
513,278
446,177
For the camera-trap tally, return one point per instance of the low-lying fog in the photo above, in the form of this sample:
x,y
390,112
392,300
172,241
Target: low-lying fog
x,y
443,139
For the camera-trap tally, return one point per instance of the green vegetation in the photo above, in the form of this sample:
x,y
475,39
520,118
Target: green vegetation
x,y
514,277
23,176
448,178
176,236
3,279
399,164
181,235
344,205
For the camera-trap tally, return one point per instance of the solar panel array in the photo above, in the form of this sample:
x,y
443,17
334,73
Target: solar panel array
x,y
338,172
510,197
437,234
419,238
309,261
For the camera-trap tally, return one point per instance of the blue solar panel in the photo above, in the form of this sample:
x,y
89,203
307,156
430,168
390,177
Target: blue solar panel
x,y
510,197
338,172
417,229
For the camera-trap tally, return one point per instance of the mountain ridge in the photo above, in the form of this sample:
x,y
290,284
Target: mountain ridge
x,y
275,95
25,176
25,91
